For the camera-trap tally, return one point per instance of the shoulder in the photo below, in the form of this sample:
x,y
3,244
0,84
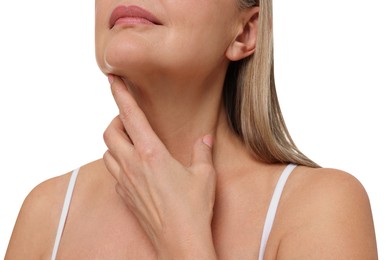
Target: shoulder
x,y
323,185
329,215
36,226
37,219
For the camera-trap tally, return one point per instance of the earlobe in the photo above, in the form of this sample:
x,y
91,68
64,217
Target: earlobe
x,y
244,44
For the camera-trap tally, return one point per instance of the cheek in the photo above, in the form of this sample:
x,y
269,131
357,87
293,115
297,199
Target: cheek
x,y
196,46
194,50
202,34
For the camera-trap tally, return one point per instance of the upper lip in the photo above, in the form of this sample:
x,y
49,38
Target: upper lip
x,y
131,11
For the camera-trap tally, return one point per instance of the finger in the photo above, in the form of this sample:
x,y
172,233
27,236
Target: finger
x,y
118,142
117,124
133,118
111,165
202,152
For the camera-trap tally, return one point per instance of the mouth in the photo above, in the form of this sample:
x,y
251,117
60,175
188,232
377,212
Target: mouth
x,y
132,14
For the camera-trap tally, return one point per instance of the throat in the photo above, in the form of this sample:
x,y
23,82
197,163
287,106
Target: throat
x,y
180,116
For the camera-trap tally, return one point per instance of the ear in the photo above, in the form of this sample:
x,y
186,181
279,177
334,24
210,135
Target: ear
x,y
244,44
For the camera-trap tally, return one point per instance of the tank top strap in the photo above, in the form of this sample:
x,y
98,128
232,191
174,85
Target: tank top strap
x,y
64,213
273,206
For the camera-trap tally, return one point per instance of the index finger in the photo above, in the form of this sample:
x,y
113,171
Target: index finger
x,y
132,116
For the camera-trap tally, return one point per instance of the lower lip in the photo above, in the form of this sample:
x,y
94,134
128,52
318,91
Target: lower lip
x,y
132,21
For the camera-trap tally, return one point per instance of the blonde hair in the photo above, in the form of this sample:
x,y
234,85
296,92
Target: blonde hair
x,y
251,101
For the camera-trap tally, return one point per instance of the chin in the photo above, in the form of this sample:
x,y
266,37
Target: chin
x,y
123,58
141,61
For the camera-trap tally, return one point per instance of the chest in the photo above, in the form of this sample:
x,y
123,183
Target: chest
x,y
108,230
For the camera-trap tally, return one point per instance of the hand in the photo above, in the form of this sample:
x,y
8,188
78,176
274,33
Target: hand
x,y
173,204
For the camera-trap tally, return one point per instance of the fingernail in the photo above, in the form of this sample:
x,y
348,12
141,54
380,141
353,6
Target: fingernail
x,y
208,140
110,78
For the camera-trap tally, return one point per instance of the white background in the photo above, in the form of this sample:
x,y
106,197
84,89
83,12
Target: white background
x,y
332,74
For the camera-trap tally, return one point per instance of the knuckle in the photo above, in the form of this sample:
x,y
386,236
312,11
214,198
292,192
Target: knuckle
x,y
107,135
148,153
106,156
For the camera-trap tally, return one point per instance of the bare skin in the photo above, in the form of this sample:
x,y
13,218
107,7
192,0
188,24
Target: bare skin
x,y
323,213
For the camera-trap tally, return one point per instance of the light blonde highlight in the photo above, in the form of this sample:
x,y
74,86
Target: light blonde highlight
x,y
251,100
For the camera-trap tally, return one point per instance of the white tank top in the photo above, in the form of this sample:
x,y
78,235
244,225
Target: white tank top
x,y
269,220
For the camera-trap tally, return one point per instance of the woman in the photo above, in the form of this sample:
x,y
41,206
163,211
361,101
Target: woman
x,y
199,163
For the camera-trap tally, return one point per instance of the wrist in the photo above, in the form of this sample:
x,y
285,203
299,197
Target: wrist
x,y
197,244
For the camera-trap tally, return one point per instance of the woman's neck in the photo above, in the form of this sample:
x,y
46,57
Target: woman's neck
x,y
181,114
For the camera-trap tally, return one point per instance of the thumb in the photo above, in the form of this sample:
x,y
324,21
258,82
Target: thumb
x,y
202,152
